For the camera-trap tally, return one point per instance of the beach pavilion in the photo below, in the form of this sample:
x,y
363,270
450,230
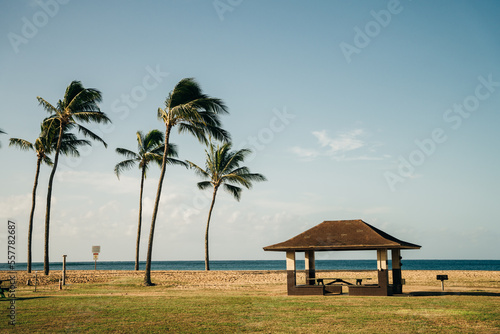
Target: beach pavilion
x,y
344,235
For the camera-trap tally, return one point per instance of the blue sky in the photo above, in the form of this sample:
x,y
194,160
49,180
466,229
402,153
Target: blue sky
x,y
384,111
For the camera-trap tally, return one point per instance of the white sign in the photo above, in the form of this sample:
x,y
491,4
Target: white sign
x,y
96,249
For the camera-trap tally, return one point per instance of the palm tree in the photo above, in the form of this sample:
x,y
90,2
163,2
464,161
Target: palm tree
x,y
42,148
222,167
150,149
195,113
79,104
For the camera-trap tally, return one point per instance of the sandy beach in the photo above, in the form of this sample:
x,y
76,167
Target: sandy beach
x,y
415,280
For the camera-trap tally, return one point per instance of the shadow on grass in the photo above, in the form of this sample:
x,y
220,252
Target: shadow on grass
x,y
444,293
22,298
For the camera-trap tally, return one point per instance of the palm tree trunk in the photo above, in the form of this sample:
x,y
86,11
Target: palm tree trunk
x,y
49,199
32,213
137,243
207,263
147,274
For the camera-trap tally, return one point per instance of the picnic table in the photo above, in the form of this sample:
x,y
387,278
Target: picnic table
x,y
335,280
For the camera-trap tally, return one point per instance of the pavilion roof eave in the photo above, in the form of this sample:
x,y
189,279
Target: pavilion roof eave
x,y
338,248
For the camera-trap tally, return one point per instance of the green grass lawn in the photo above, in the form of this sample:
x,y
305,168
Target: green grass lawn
x,y
124,306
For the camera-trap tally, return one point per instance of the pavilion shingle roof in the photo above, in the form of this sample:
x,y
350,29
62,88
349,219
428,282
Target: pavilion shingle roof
x,y
342,235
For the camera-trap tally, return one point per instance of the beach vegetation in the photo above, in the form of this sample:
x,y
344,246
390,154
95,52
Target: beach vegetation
x,y
191,111
150,149
43,146
79,105
222,168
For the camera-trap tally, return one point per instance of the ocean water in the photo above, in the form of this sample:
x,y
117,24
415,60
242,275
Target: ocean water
x,y
488,265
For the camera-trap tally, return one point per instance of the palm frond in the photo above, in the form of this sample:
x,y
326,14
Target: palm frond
x,y
79,98
162,115
244,178
184,91
204,185
152,157
140,140
172,150
47,106
185,113
160,149
70,144
152,140
50,126
22,144
194,130
198,170
127,153
47,161
124,165
233,190
203,131
91,115
73,89
237,179
209,104
87,133
217,133
232,160
177,162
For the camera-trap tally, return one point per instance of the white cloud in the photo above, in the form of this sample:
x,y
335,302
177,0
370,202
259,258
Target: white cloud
x,y
346,146
305,153
102,182
344,142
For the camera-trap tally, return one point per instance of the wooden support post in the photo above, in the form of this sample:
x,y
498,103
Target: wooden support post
x,y
290,271
382,259
383,277
290,260
64,270
310,267
397,286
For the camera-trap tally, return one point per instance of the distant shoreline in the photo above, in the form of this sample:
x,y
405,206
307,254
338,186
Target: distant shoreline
x,y
218,265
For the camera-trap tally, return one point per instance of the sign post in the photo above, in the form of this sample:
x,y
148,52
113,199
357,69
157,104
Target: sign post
x,y
96,250
442,278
